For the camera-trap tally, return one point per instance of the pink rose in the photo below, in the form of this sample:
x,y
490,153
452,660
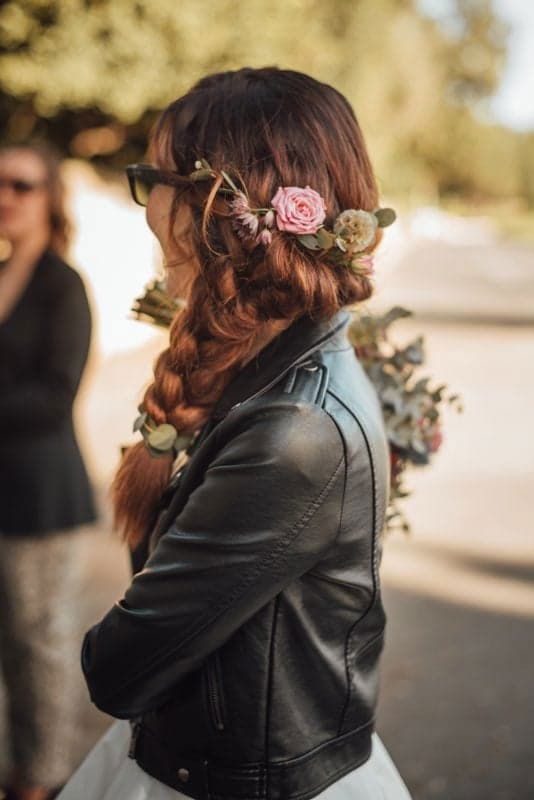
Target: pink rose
x,y
298,210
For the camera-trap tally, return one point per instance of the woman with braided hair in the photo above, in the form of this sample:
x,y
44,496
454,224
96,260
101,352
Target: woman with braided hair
x,y
242,661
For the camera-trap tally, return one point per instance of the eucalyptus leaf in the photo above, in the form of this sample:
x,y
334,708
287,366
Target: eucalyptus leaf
x,y
229,181
421,384
385,217
419,445
397,312
414,352
140,421
157,453
201,174
182,441
325,239
310,241
162,438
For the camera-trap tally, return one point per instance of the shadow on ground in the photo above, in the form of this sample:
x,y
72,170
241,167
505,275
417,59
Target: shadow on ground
x,y
456,701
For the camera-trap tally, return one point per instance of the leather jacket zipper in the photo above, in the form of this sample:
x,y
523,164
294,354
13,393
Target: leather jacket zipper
x,y
214,693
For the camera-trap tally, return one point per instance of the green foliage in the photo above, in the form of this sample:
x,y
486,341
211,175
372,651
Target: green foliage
x,y
412,410
92,75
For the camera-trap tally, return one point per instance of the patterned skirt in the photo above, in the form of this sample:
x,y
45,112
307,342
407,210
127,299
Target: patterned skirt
x,y
40,578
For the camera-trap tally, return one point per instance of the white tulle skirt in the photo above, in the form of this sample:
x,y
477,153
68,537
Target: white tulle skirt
x,y
109,774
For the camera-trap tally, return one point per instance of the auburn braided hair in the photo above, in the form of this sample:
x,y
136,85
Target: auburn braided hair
x,y
267,128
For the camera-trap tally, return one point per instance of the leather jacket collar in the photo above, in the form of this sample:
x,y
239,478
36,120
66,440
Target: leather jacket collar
x,y
293,346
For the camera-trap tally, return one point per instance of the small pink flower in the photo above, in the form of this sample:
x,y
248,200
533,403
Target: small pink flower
x,y
239,204
264,237
246,224
436,440
298,210
365,264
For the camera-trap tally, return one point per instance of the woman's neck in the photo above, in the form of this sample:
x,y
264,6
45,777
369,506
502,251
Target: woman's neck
x,y
266,335
25,252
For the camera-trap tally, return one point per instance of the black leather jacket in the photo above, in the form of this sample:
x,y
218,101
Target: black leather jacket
x,y
246,650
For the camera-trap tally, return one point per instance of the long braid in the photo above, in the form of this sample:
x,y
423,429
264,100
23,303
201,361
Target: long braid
x,y
241,294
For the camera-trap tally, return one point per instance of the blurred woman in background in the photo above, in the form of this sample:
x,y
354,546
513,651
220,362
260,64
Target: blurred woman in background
x,y
46,498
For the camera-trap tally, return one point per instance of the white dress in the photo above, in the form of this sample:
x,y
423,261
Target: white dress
x,y
109,774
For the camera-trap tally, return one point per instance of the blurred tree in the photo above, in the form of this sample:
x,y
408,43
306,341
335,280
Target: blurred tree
x,y
92,74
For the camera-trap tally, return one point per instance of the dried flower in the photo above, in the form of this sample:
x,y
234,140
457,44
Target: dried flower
x,y
357,228
264,237
268,219
239,205
363,264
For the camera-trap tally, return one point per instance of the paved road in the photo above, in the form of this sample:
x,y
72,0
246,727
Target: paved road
x,y
456,708
457,279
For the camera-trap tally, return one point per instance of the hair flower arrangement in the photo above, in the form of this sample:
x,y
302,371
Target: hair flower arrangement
x,y
302,212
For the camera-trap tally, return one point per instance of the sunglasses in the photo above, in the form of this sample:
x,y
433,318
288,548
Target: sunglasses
x,y
20,186
143,177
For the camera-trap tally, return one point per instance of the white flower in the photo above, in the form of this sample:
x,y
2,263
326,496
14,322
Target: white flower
x,y
357,228
269,219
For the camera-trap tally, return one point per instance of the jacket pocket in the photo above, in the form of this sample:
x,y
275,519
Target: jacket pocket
x,y
215,693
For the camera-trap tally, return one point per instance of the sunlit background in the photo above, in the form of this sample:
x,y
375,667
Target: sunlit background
x,y
444,91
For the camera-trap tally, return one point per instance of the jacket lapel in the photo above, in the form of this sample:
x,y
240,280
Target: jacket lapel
x,y
293,346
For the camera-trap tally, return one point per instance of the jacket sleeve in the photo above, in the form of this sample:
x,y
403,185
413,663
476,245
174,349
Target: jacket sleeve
x,y
46,399
268,507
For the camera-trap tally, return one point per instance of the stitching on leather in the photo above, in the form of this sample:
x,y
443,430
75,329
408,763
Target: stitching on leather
x,y
374,567
342,509
336,741
245,583
290,382
288,764
269,690
328,579
373,460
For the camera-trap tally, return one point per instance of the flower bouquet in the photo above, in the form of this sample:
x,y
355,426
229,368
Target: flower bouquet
x,y
412,409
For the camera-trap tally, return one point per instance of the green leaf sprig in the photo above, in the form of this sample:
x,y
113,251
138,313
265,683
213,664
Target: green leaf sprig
x,y
161,439
347,243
